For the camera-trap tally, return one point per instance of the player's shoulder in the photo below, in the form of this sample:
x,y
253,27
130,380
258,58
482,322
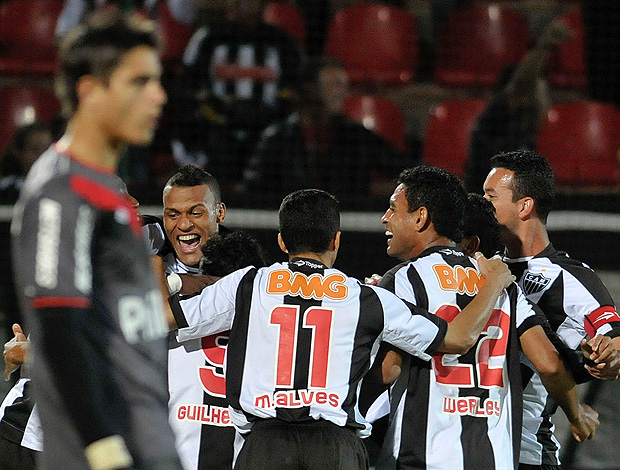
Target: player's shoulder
x,y
562,261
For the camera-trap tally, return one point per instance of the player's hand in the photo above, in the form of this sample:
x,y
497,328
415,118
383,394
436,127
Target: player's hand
x,y
391,367
585,427
606,357
372,280
16,351
494,270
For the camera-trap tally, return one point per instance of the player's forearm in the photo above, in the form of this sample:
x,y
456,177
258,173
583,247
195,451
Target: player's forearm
x,y
562,388
465,329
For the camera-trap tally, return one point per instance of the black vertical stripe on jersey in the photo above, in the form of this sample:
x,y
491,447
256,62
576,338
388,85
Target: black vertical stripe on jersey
x,y
237,341
552,303
371,316
475,442
514,370
301,379
419,288
216,442
16,416
415,412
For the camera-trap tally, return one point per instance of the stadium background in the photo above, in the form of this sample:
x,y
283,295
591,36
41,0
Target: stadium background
x,y
435,89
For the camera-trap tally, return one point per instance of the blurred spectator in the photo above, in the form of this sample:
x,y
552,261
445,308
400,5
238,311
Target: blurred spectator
x,y
601,20
515,112
28,143
184,11
319,147
238,76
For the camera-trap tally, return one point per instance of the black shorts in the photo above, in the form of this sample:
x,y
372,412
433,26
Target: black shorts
x,y
16,457
318,445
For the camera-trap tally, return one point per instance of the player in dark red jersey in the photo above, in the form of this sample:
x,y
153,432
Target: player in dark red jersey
x,y
303,335
521,186
87,289
466,402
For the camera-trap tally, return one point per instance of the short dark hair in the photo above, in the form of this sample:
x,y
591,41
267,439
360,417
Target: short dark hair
x,y
443,195
192,175
96,47
480,220
533,177
309,220
224,253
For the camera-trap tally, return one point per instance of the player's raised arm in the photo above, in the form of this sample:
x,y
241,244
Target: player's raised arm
x,y
558,382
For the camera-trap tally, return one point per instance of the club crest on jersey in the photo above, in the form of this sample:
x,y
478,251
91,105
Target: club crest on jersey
x,y
533,283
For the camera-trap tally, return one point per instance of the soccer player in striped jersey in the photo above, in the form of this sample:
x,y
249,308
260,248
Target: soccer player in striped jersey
x,y
469,403
88,294
304,334
521,186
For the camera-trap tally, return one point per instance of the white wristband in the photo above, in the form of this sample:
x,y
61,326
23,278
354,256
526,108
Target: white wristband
x,y
108,453
174,282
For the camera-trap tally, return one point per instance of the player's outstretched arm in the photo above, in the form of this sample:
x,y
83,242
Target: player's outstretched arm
x,y
465,328
16,351
559,383
603,352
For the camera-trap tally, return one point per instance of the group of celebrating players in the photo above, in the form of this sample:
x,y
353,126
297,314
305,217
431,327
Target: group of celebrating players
x,y
283,366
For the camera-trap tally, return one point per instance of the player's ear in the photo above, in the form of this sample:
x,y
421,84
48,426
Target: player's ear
x,y
86,87
470,245
221,212
281,244
423,219
335,244
527,208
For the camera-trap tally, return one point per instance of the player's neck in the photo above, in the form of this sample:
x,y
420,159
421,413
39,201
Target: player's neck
x,y
327,258
430,241
531,238
89,146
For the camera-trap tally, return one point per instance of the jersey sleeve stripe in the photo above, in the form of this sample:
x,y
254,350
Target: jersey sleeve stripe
x,y
177,311
54,302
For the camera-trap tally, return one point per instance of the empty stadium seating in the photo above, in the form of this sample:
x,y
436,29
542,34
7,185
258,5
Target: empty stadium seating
x,y
380,115
477,42
377,43
581,141
448,131
286,16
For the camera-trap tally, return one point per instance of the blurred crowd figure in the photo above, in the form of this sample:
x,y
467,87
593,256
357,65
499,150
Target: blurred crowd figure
x,y
317,146
515,111
238,76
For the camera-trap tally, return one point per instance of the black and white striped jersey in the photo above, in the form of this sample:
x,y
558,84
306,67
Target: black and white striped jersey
x,y
249,63
204,434
19,420
302,336
457,411
577,305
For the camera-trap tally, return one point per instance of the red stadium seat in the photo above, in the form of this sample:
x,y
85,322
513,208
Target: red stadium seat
x,y
377,43
380,115
567,66
27,30
22,106
477,42
448,131
175,34
581,141
285,15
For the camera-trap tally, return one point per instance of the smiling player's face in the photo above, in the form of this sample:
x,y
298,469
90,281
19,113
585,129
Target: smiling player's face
x,y
191,215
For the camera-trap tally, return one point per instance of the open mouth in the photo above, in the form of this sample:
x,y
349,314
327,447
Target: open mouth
x,y
389,236
189,243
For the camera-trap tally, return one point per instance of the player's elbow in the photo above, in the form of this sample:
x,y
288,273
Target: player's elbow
x,y
550,366
457,343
